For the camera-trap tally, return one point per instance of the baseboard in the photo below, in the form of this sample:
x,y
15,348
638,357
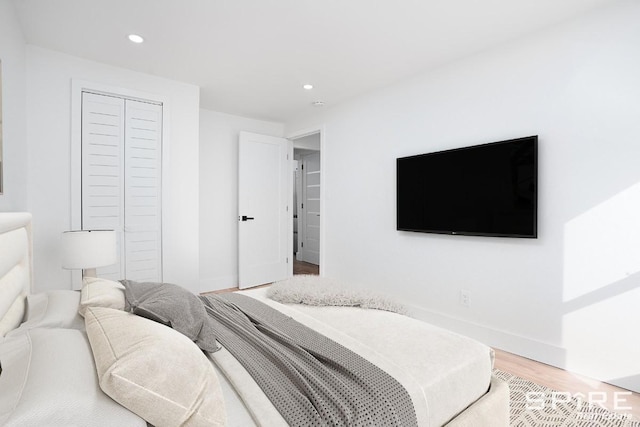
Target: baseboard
x,y
217,283
522,346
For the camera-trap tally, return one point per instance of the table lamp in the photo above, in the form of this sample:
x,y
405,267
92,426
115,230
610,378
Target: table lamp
x,y
88,249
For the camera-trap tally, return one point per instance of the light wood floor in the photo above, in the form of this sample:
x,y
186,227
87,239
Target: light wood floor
x,y
301,267
561,380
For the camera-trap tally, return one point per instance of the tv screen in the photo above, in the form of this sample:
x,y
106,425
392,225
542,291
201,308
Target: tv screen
x,y
483,190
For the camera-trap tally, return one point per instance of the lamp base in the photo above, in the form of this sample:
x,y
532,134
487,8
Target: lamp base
x,y
89,272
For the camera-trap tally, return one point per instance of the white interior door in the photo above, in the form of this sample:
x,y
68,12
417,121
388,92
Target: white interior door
x,y
265,216
309,246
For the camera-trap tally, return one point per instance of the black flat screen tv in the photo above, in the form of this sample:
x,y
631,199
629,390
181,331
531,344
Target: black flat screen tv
x,y
482,190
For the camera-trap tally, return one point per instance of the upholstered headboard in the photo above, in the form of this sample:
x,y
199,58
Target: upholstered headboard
x,y
15,268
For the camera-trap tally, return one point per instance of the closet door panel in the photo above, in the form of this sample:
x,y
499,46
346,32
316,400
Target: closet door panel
x,y
103,135
143,255
143,190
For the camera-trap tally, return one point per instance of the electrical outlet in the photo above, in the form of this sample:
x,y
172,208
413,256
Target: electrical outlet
x,y
465,298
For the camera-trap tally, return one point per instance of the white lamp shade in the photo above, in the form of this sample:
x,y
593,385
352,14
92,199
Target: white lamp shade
x,y
85,249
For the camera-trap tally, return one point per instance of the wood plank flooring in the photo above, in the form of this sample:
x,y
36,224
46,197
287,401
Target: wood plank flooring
x,y
301,267
565,381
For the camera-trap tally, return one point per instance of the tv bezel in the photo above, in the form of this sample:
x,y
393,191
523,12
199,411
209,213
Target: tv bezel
x,y
534,235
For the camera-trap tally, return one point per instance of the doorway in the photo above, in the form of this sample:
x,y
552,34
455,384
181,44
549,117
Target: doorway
x,y
306,196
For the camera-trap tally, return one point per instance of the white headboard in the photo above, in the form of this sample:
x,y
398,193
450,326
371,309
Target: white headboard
x,y
15,268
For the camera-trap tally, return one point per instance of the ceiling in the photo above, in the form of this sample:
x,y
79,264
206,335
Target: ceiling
x,y
251,57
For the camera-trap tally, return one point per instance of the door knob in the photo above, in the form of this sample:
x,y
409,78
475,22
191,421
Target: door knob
x,y
247,218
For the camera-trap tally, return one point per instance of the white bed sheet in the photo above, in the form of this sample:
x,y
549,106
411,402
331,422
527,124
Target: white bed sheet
x,y
443,372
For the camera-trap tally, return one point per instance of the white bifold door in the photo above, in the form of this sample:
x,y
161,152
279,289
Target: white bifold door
x,y
122,181
265,214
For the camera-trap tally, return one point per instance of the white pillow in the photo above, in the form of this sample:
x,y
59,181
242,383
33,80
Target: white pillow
x,y
52,309
97,292
13,317
12,295
154,371
49,379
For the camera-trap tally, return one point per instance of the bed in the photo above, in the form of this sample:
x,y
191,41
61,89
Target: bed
x,y
60,367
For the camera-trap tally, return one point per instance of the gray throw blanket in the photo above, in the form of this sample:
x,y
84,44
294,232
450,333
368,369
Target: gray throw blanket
x,y
310,379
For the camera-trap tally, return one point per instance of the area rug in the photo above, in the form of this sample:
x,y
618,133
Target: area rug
x,y
532,404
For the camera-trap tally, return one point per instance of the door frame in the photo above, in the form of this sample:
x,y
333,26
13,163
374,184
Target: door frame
x,y
306,132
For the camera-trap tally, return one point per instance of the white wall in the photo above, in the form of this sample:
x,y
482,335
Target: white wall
x,y
49,76
12,55
219,194
570,297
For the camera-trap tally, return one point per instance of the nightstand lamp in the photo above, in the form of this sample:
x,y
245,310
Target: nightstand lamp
x,y
88,249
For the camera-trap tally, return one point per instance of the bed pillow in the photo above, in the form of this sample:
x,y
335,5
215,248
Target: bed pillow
x,y
12,297
52,309
13,316
153,370
172,306
49,379
97,292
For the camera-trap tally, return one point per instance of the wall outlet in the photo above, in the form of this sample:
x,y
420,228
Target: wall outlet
x,y
465,298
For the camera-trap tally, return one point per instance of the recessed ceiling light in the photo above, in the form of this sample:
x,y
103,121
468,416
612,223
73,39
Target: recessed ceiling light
x,y
308,87
136,38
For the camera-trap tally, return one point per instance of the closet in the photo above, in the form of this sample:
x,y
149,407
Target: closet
x,y
121,172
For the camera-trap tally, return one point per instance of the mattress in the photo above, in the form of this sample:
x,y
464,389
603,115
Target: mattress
x,y
443,372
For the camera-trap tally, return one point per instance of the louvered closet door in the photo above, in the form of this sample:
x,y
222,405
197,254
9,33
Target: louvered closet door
x,y
103,131
121,181
143,162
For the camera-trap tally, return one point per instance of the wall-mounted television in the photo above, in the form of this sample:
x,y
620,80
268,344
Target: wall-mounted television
x,y
482,190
